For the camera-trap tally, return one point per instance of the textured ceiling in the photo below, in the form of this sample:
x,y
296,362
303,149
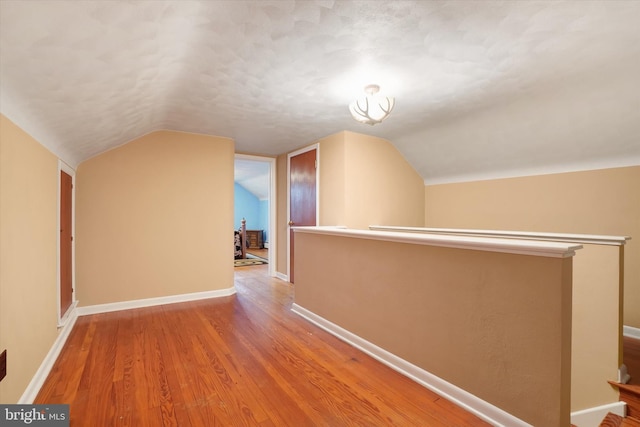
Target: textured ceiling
x,y
483,88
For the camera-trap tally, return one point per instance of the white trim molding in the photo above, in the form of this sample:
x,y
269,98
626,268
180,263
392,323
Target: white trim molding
x,y
149,302
631,332
32,390
527,235
489,244
282,276
592,417
43,371
71,311
484,410
273,235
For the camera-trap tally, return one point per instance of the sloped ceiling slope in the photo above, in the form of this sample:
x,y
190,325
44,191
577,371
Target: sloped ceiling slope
x,y
483,88
253,176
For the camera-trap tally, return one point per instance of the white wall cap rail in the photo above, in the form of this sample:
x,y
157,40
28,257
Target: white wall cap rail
x,y
529,235
491,244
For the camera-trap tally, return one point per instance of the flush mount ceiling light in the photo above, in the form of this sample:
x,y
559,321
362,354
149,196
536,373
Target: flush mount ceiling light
x,y
373,108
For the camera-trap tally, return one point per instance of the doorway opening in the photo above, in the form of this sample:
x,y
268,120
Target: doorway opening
x,y
255,202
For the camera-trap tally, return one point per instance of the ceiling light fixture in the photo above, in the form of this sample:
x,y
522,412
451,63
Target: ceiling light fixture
x,y
373,108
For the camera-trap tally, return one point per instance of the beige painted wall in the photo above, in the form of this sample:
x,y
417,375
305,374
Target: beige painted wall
x,y
596,339
486,306
595,355
603,201
28,256
364,180
155,218
333,185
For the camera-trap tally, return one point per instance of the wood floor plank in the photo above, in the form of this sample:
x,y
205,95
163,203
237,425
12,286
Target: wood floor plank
x,y
243,360
242,349
357,382
66,374
196,395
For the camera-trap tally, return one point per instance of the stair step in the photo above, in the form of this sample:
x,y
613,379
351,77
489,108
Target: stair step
x,y
612,420
630,394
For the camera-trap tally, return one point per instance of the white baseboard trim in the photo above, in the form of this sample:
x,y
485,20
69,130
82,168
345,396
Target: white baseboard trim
x,y
631,332
282,276
63,321
149,302
592,417
38,379
484,410
31,392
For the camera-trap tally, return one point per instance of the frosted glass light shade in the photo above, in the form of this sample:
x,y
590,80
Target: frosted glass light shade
x,y
373,108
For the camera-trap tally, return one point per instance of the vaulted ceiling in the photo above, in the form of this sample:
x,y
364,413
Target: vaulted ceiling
x,y
483,88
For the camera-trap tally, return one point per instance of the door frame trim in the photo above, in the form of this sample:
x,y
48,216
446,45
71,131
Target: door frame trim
x,y
63,318
273,235
316,147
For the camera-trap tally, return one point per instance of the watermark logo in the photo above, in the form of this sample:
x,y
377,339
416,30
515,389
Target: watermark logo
x,y
34,415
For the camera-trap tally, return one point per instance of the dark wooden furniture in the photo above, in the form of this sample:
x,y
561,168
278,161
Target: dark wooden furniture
x,y
255,239
240,238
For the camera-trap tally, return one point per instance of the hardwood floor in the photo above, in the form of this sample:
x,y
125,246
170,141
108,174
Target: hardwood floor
x,y
630,392
243,360
260,253
612,420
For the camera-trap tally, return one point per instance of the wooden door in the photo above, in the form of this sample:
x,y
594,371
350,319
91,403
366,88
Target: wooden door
x,y
302,196
66,283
